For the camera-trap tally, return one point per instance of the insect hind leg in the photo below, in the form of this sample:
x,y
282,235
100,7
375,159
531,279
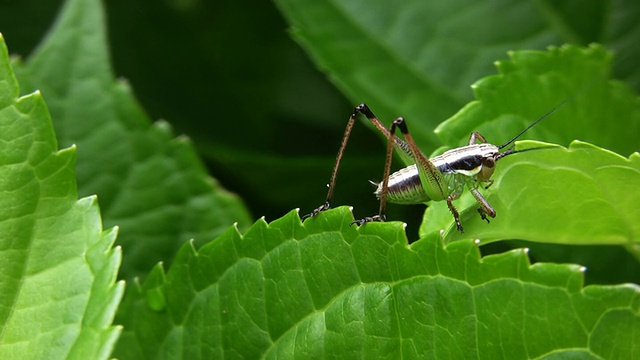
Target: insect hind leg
x,y
385,178
475,137
378,218
393,141
336,166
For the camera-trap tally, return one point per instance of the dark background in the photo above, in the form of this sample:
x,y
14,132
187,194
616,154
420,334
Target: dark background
x,y
228,75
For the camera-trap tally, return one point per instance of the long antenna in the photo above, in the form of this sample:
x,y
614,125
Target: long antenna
x,y
534,123
511,151
570,98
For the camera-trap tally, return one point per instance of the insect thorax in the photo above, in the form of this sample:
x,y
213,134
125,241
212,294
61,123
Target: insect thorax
x,y
466,160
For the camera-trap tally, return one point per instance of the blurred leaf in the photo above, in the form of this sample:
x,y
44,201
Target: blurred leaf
x,y
231,78
417,58
327,289
150,184
571,79
58,287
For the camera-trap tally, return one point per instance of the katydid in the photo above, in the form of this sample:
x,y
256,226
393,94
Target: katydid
x,y
442,177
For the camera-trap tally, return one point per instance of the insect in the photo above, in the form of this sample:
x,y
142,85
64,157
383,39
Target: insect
x,y
443,177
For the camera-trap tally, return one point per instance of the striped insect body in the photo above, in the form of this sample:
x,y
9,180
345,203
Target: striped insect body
x,y
443,177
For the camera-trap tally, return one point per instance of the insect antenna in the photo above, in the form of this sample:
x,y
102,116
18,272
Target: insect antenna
x,y
532,125
557,107
511,151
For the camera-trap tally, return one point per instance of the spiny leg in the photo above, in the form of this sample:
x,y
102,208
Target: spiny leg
x,y
476,136
385,178
425,167
454,211
402,146
336,166
485,208
364,109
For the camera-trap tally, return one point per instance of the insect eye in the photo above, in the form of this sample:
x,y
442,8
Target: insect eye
x,y
489,162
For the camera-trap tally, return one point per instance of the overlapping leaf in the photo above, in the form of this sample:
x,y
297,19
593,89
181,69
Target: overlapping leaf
x,y
417,58
571,82
583,195
577,195
58,267
328,289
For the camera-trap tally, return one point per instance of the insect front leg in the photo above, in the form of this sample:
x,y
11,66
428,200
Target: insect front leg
x,y
454,211
485,208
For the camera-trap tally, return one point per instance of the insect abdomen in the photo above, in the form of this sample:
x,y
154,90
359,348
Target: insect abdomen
x,y
404,187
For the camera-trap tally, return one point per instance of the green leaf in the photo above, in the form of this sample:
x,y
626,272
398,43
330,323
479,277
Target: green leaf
x,y
327,289
605,264
580,195
149,183
58,287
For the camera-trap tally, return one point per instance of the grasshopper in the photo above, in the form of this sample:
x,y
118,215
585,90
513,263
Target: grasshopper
x,y
442,177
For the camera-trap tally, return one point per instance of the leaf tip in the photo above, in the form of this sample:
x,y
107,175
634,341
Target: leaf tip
x,y
634,287
192,246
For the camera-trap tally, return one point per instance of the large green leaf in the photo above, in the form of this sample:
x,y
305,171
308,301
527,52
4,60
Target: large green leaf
x,y
417,58
327,289
58,290
583,195
580,195
150,184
